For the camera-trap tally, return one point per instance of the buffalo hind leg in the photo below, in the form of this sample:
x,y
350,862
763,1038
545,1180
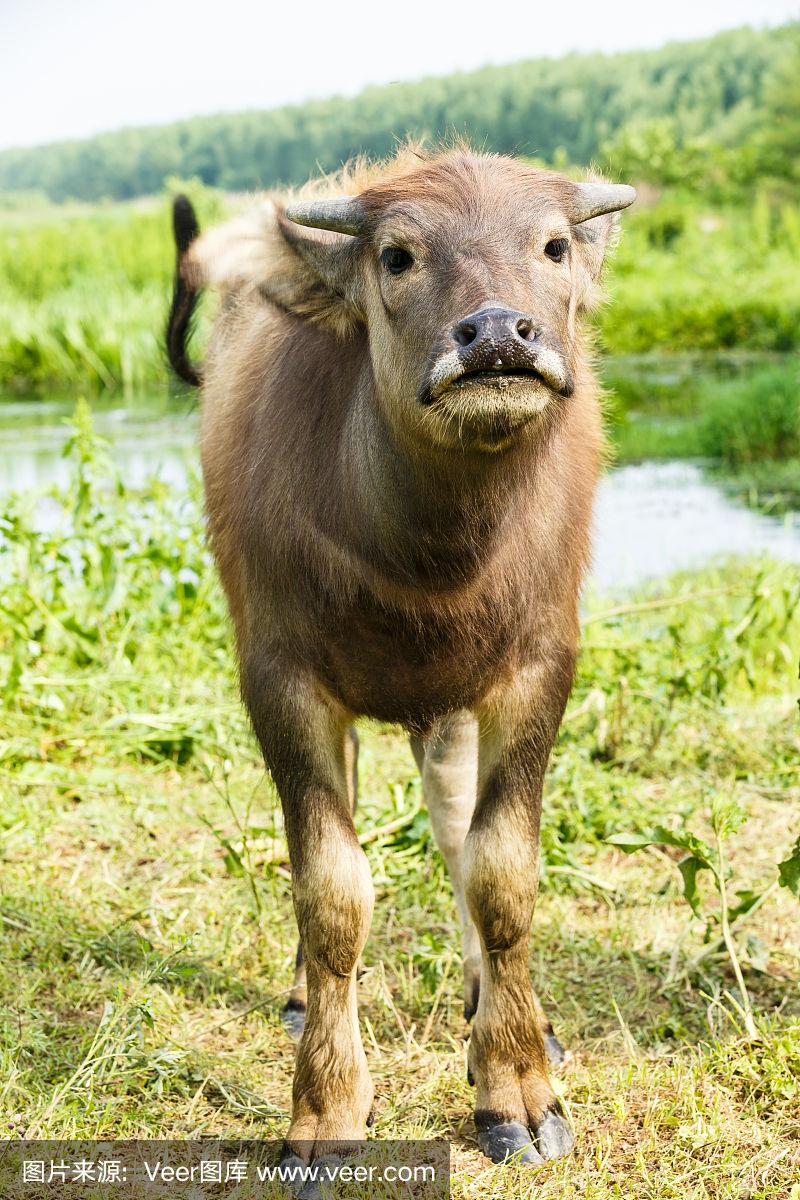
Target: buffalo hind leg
x,y
303,737
294,1010
517,1111
448,764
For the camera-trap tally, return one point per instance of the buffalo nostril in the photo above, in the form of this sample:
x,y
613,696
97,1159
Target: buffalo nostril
x,y
465,333
525,329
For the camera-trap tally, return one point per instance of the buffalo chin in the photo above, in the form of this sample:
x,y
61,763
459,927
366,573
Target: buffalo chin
x,y
487,410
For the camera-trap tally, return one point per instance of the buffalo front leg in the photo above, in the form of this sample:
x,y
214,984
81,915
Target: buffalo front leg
x,y
304,736
294,1010
517,1111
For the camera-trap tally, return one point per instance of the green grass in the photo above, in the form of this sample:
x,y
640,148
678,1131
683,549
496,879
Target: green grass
x,y
741,414
145,905
639,436
85,288
85,291
752,420
773,487
689,278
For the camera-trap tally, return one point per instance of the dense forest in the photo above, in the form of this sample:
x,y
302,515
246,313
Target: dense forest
x,y
663,108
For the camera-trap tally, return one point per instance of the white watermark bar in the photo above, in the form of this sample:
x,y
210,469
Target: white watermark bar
x,y
212,1169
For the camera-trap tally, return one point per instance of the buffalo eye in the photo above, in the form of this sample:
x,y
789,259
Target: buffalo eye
x,y
396,260
556,248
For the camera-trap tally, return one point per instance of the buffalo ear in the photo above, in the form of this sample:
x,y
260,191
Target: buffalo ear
x,y
593,240
594,212
311,273
330,261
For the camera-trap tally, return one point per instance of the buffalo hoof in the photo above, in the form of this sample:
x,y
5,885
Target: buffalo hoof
x,y
293,1016
554,1136
508,1139
472,990
309,1181
324,1182
550,1138
556,1054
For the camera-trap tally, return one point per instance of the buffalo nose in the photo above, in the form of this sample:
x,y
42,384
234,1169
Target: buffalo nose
x,y
494,325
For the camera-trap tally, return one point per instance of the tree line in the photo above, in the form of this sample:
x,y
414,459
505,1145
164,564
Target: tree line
x,y
626,111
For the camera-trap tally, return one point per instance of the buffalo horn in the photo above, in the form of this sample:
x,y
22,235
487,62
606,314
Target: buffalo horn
x,y
341,214
594,199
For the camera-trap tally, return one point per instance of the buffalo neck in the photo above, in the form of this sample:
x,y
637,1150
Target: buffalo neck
x,y
426,515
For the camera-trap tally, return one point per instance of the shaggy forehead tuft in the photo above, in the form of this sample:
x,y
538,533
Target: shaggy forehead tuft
x,y
467,181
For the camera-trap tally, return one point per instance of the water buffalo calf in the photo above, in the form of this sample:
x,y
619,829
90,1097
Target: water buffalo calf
x,y
401,441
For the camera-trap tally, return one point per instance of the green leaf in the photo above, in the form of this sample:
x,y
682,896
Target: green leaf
x,y
660,836
685,840
727,816
789,871
747,899
630,842
232,858
72,624
689,868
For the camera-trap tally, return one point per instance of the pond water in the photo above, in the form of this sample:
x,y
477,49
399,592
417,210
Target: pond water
x,y
656,518
651,519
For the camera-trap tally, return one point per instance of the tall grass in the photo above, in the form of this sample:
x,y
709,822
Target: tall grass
x,y
83,290
748,420
744,416
685,278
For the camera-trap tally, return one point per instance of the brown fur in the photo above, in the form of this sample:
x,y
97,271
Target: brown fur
x,y
403,561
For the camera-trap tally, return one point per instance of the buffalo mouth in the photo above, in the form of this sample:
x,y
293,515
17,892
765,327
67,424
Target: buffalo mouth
x,y
497,376
497,379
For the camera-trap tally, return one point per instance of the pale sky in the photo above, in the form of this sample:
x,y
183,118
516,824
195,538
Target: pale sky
x,y
70,68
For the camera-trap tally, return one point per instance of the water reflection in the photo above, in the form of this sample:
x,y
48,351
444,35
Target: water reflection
x,y
151,436
657,518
